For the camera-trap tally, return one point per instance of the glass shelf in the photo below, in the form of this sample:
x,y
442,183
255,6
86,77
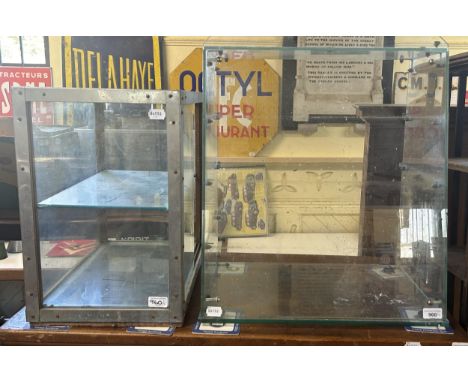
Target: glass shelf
x,y
115,189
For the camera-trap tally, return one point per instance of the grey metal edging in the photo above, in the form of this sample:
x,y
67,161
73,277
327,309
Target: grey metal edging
x,y
98,95
27,195
174,123
104,315
188,98
189,284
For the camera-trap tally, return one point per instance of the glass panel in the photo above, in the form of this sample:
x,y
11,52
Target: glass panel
x,y
102,198
10,50
34,50
191,237
324,198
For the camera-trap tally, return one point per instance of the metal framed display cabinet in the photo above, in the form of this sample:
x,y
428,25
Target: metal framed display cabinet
x,y
340,215
109,196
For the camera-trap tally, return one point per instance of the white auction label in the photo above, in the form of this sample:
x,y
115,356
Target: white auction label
x,y
432,313
158,302
158,114
214,311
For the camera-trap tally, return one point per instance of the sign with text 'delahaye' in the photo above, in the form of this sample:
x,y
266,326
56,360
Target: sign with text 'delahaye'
x,y
112,62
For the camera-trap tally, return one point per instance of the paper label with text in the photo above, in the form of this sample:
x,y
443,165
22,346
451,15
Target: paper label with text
x,y
214,311
432,313
158,302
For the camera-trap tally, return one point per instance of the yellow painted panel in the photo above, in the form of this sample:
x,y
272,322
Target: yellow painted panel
x,y
157,63
67,61
55,59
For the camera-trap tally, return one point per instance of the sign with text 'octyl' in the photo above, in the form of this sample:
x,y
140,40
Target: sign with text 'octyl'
x,y
248,100
246,103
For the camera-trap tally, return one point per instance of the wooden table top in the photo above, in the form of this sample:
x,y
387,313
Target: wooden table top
x,y
250,334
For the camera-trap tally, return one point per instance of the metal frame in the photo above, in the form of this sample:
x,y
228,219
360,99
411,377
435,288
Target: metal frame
x,y
178,295
175,128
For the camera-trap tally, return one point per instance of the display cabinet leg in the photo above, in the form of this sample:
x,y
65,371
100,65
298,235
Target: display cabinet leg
x,y
3,252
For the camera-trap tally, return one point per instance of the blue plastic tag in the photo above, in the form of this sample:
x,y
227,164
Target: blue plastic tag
x,y
157,330
218,328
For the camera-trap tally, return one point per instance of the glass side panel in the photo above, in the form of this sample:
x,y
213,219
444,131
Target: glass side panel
x,y
191,230
102,198
325,183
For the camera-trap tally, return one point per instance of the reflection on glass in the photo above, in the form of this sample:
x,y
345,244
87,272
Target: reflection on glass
x,y
322,202
421,226
102,194
189,167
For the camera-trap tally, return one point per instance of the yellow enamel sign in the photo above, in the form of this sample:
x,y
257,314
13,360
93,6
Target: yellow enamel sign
x,y
247,101
248,107
188,74
112,62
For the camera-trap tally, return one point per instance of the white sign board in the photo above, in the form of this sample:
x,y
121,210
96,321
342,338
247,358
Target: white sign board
x,y
332,84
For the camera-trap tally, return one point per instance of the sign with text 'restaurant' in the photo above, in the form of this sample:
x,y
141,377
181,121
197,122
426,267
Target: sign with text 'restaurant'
x,y
247,107
28,77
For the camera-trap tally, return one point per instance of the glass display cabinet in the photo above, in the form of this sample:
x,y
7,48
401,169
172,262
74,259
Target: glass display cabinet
x,y
325,183
109,196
